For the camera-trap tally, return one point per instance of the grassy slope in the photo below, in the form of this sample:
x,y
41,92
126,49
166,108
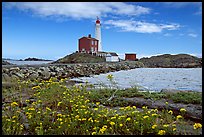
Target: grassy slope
x,y
80,58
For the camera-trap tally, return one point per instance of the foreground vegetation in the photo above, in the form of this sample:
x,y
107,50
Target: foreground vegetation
x,y
50,107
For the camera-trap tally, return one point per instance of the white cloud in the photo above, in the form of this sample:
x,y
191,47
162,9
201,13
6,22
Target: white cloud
x,y
78,10
140,26
192,35
167,34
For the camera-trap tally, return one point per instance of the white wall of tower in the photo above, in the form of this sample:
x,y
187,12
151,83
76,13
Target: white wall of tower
x,y
98,35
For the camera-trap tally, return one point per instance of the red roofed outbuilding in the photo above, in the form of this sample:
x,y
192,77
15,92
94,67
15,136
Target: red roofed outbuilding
x,y
131,57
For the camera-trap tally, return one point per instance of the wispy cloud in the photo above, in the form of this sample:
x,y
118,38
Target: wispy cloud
x,y
192,35
140,27
167,34
79,10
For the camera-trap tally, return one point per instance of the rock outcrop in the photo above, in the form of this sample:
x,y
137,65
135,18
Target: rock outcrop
x,y
172,61
65,70
35,59
6,63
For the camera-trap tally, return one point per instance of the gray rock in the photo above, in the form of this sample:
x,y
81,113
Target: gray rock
x,y
5,77
172,91
33,76
193,112
19,75
15,69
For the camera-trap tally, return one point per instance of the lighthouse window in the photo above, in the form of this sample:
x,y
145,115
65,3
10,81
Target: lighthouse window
x,y
92,42
95,42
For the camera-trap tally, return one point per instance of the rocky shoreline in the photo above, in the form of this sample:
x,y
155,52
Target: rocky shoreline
x,y
46,71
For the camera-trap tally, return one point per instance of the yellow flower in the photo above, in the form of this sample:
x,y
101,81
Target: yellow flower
x,y
112,123
27,101
93,133
90,119
173,125
96,121
58,104
155,110
134,107
197,125
178,117
174,129
144,107
154,126
21,127
95,108
102,129
121,125
13,117
31,108
161,132
154,114
47,108
170,112
39,101
128,119
83,119
166,103
182,110
145,117
121,108
113,118
97,103
59,119
13,104
165,125
36,87
59,115
110,76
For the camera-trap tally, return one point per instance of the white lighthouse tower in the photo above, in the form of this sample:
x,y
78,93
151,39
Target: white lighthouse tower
x,y
98,33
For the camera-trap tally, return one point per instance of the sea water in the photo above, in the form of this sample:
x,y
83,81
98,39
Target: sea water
x,y
151,79
18,62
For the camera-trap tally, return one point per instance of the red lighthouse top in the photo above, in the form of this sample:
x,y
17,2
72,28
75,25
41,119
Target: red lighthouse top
x,y
97,21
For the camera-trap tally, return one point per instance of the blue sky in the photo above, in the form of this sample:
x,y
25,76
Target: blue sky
x,y
51,30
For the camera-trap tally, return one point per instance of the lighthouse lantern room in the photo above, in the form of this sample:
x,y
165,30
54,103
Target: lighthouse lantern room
x,y
98,33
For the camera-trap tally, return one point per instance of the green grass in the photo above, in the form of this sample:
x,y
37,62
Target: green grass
x,y
180,97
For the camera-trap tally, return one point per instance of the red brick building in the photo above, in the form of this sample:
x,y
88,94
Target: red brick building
x,y
131,57
88,45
